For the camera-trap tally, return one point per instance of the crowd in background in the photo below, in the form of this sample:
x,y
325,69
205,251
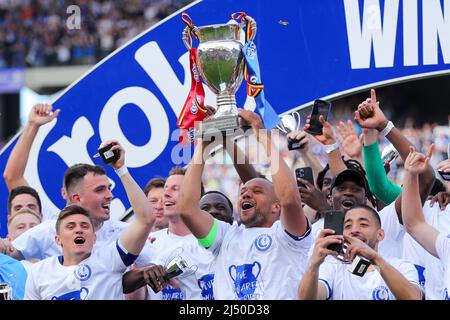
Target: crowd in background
x,y
35,33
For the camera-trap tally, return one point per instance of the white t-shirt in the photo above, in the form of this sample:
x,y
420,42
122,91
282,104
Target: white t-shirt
x,y
341,284
430,268
443,251
196,286
392,244
39,241
258,263
98,277
316,228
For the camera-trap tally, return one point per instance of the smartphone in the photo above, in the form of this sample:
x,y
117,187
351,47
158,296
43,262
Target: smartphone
x,y
320,108
334,220
304,173
445,175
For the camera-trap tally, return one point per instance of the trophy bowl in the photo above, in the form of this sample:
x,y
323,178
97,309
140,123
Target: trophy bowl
x,y
221,65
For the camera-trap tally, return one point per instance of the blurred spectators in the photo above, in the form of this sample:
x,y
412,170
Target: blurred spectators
x,y
34,32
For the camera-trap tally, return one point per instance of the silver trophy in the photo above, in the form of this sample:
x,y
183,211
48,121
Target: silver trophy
x,y
291,122
5,291
389,154
221,65
176,266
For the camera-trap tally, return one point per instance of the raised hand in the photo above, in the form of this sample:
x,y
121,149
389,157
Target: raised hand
x,y
350,142
369,114
301,137
313,197
116,147
42,114
356,247
252,118
417,163
327,136
324,239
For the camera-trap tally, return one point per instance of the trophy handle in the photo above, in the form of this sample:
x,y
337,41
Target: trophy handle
x,y
189,31
249,22
297,119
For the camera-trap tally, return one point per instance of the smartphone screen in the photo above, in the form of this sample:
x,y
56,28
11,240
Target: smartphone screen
x,y
334,220
304,173
320,108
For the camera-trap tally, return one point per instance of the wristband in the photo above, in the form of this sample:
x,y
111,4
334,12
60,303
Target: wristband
x,y
387,129
121,171
330,147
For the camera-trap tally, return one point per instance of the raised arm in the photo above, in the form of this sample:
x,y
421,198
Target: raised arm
x,y
292,215
240,161
135,235
327,139
412,212
370,116
198,221
380,185
307,156
39,115
310,287
350,142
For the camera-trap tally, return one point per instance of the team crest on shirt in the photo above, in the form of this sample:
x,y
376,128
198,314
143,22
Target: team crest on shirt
x,y
381,293
263,242
445,294
83,272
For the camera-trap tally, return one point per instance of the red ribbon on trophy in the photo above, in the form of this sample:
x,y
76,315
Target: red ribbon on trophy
x,y
193,109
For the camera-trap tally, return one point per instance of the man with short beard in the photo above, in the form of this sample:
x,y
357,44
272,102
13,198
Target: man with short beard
x,y
385,279
263,258
87,186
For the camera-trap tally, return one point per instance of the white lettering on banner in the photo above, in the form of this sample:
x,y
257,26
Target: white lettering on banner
x,y
155,64
109,127
73,150
435,26
382,36
410,33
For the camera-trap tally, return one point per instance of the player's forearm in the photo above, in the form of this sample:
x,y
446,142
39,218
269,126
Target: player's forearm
x,y
312,161
15,167
400,287
308,287
383,188
412,213
138,200
241,162
335,162
190,192
133,280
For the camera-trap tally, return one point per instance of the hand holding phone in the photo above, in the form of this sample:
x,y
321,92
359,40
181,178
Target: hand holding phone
x,y
304,173
320,108
334,220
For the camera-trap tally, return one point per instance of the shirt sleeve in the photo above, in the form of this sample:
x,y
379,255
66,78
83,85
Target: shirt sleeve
x,y
31,291
414,253
383,188
222,229
443,247
302,243
408,270
327,273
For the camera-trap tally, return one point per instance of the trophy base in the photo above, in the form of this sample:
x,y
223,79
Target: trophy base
x,y
222,126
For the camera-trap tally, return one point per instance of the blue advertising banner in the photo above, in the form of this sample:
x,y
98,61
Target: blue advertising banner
x,y
307,50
